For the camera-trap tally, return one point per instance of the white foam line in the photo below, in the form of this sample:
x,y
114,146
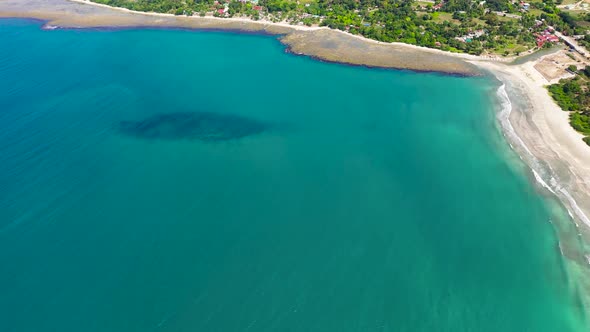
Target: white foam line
x,y
504,117
541,181
577,210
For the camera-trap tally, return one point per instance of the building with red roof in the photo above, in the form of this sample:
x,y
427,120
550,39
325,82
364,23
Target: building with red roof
x,y
546,38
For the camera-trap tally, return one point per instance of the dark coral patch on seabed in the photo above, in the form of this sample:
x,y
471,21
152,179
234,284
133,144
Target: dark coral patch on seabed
x,y
202,126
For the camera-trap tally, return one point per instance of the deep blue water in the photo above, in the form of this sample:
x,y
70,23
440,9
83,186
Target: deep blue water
x,y
167,180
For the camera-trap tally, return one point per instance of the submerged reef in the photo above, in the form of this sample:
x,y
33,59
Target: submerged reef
x,y
202,126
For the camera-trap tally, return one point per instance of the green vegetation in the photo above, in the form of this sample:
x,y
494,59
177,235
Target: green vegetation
x,y
573,95
493,26
469,26
581,122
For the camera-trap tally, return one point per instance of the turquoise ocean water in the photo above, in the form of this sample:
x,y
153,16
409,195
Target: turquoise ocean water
x,y
169,180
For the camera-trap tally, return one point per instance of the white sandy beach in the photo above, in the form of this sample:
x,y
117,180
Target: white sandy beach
x,y
544,134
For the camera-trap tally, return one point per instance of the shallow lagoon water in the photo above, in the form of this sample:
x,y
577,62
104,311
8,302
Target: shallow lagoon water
x,y
393,203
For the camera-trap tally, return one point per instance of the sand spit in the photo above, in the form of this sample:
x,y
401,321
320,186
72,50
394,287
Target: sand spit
x,y
334,46
80,14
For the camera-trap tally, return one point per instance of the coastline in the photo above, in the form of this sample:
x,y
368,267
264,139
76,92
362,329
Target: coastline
x,y
318,42
306,28
537,129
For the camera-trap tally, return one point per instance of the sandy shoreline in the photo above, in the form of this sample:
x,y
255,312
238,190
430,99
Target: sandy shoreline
x,y
546,135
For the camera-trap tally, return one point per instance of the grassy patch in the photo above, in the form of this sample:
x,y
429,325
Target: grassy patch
x,y
580,122
569,2
506,19
535,12
442,16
